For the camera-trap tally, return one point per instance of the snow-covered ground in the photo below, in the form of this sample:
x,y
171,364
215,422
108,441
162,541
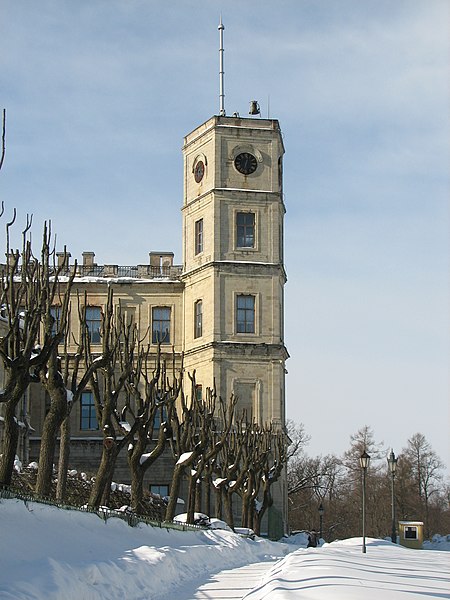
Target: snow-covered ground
x,y
52,554
339,571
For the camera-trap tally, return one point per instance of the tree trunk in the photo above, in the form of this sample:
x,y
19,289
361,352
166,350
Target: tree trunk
x,y
246,509
64,454
198,496
10,440
137,489
103,476
191,500
218,492
52,422
228,505
259,514
174,491
208,494
107,487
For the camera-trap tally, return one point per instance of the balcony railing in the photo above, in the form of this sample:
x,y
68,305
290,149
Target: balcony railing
x,y
172,272
90,270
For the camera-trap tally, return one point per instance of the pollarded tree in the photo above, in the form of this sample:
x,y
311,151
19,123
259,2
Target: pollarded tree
x,y
28,289
229,470
154,393
118,358
61,380
214,419
272,463
185,448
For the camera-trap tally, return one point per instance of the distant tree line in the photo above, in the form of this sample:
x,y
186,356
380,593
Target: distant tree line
x,y
420,490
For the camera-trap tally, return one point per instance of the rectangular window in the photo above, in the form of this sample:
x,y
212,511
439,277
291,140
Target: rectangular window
x,y
160,490
245,314
199,236
88,419
245,394
55,312
198,319
410,533
94,322
160,417
199,391
245,230
160,325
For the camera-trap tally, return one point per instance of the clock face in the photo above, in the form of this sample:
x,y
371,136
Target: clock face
x,y
245,163
199,171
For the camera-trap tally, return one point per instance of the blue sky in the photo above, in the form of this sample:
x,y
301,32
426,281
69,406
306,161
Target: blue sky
x,y
99,95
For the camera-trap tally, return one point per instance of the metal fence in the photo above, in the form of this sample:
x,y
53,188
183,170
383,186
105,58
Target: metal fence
x,y
104,513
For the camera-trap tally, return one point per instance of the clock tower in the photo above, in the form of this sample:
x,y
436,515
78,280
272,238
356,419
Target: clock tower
x,y
233,270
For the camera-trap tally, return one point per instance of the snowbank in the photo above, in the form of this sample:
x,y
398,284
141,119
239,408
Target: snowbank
x,y
54,554
340,571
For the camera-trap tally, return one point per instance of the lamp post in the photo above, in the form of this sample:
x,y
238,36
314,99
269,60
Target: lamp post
x,y
392,464
321,511
364,461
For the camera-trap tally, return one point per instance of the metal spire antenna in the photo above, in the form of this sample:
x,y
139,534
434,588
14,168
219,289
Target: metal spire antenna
x,y
221,71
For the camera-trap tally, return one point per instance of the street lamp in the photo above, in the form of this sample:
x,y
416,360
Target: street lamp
x,y
321,511
392,464
364,461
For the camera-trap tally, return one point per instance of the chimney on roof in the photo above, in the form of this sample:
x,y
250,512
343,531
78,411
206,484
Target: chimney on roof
x,y
63,259
88,259
161,259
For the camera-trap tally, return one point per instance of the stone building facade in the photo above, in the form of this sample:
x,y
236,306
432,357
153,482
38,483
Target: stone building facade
x,y
223,308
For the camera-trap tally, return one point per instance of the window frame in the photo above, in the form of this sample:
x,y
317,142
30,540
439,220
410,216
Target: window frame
x,y
55,312
245,226
411,532
165,340
249,324
95,336
161,416
198,318
159,485
92,413
198,236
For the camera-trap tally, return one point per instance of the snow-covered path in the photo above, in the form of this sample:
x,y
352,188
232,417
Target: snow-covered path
x,y
229,584
340,571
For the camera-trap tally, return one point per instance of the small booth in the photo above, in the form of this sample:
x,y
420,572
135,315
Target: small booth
x,y
411,534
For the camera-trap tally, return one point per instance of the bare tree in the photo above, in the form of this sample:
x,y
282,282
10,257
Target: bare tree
x,y
192,426
28,287
213,427
3,149
297,439
362,441
60,378
154,394
230,470
425,471
272,463
182,424
119,343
